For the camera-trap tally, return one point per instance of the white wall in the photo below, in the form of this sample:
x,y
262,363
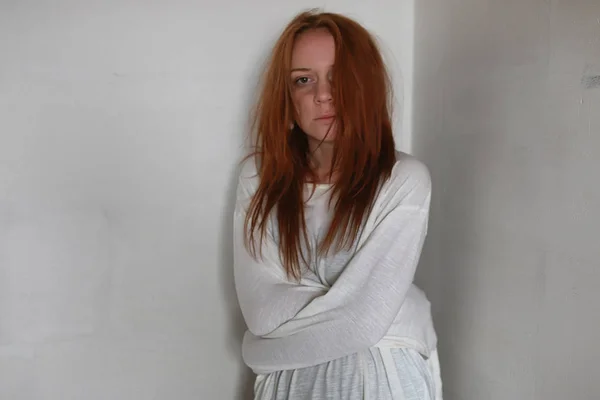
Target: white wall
x,y
507,120
121,123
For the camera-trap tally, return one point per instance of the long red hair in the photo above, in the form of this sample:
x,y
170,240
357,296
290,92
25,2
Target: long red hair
x,y
364,149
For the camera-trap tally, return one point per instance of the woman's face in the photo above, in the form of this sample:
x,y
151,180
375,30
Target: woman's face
x,y
313,56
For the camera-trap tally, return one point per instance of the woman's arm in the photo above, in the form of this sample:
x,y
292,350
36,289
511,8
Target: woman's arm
x,y
359,308
266,296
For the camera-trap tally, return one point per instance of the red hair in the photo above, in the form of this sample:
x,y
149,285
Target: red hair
x,y
364,149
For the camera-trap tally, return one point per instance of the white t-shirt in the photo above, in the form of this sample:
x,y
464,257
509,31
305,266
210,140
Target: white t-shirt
x,y
347,302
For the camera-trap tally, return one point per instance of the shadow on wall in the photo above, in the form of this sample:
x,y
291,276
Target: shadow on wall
x,y
237,326
450,141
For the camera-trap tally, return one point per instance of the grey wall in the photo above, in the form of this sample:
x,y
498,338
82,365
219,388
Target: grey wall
x,y
508,119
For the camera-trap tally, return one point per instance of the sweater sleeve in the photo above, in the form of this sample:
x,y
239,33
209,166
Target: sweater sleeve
x,y
266,296
361,305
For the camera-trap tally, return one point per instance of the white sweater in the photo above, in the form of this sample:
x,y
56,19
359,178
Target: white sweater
x,y
369,300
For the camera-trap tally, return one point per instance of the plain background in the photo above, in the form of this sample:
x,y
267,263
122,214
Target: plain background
x,y
121,125
507,118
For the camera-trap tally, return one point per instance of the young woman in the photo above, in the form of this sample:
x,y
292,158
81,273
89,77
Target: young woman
x,y
329,224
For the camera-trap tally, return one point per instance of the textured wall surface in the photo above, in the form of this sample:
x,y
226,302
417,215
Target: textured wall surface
x,y
507,116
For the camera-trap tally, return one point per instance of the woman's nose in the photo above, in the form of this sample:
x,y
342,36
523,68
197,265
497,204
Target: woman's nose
x,y
323,94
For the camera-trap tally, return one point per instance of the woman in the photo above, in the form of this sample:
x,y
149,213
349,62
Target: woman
x,y
329,224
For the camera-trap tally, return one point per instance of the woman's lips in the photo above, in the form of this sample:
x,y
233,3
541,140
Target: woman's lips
x,y
326,118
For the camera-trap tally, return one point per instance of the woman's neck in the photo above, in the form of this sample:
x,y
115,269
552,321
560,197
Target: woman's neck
x,y
321,160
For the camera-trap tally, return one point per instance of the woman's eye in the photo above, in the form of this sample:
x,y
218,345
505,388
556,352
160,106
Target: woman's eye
x,y
301,80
